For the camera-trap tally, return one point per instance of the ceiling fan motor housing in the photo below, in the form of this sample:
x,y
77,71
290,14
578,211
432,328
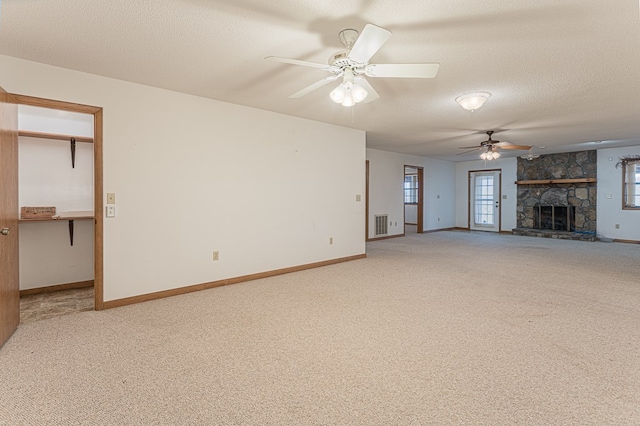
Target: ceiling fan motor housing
x,y
341,60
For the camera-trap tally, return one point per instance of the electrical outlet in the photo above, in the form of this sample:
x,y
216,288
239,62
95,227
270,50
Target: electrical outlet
x,y
609,196
438,219
504,197
617,226
330,240
358,197
216,255
111,211
111,197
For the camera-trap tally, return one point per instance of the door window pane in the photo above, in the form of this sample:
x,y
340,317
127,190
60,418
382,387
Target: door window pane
x,y
483,202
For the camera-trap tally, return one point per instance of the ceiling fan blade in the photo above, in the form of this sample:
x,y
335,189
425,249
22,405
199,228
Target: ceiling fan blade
x,y
466,152
314,86
523,147
368,43
372,95
470,147
402,70
298,62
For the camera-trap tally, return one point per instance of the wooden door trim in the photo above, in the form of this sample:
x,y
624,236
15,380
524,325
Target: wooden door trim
x,y
97,179
420,212
366,207
420,200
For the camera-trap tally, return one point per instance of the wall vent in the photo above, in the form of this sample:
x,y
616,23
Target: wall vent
x,y
381,224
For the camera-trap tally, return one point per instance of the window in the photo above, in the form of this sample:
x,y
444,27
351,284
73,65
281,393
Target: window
x,y
631,184
411,189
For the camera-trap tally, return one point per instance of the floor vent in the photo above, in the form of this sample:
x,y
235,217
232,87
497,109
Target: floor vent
x,y
381,224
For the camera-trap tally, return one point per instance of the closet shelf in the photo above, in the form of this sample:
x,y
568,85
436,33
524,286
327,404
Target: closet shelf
x,y
72,139
54,136
52,219
68,216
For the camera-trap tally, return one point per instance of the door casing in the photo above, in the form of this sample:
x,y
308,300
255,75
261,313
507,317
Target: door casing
x,y
97,180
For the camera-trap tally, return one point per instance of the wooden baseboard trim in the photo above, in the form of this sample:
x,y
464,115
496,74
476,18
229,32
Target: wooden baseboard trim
x,y
58,287
506,232
459,228
204,286
386,237
409,223
626,241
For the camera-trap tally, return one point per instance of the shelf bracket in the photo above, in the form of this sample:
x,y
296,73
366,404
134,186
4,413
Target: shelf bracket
x,y
71,225
73,154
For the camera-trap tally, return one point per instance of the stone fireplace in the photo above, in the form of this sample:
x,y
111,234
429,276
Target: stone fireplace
x,y
557,196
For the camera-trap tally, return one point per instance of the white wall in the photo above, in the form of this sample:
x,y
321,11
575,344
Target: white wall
x,y
194,175
411,213
386,193
509,190
46,178
610,210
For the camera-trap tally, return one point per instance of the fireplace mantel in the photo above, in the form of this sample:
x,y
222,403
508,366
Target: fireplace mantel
x,y
554,181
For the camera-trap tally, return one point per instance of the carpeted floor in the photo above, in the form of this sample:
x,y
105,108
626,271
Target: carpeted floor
x,y
431,329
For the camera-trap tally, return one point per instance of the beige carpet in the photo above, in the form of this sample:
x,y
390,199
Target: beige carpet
x,y
431,329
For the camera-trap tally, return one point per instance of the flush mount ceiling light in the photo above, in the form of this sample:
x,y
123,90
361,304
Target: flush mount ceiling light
x,y
473,101
530,157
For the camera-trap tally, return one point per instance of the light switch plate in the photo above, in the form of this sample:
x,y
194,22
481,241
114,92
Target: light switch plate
x,y
111,211
111,197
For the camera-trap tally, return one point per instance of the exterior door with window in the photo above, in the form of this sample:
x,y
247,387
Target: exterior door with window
x,y
484,202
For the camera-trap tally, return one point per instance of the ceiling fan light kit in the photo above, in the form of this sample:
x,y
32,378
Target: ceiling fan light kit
x,y
353,66
490,155
491,148
473,101
348,93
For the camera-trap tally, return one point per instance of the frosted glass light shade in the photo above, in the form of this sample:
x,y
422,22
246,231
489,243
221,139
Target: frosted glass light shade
x,y
473,101
337,94
358,93
348,99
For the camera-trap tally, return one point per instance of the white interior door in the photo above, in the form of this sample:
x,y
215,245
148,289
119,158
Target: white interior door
x,y
484,201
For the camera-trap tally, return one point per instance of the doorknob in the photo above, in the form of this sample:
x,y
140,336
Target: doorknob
x,y
4,231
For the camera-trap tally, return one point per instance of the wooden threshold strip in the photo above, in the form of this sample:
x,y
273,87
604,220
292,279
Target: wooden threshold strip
x,y
204,286
55,136
550,181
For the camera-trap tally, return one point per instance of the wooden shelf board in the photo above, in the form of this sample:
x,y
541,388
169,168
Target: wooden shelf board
x,y
52,219
556,181
55,136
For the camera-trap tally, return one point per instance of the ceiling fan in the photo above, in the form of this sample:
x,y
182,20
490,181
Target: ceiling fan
x,y
491,147
352,65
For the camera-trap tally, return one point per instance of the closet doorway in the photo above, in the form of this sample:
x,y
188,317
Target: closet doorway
x,y
413,196
60,157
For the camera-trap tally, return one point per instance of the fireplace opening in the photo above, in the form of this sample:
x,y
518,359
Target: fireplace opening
x,y
556,218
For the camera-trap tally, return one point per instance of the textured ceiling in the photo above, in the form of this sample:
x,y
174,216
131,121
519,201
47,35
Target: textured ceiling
x,y
562,74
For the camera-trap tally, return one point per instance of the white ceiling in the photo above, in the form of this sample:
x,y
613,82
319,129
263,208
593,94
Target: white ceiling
x,y
562,73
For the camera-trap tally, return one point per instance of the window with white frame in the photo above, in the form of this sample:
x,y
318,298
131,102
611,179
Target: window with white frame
x,y
411,189
631,186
